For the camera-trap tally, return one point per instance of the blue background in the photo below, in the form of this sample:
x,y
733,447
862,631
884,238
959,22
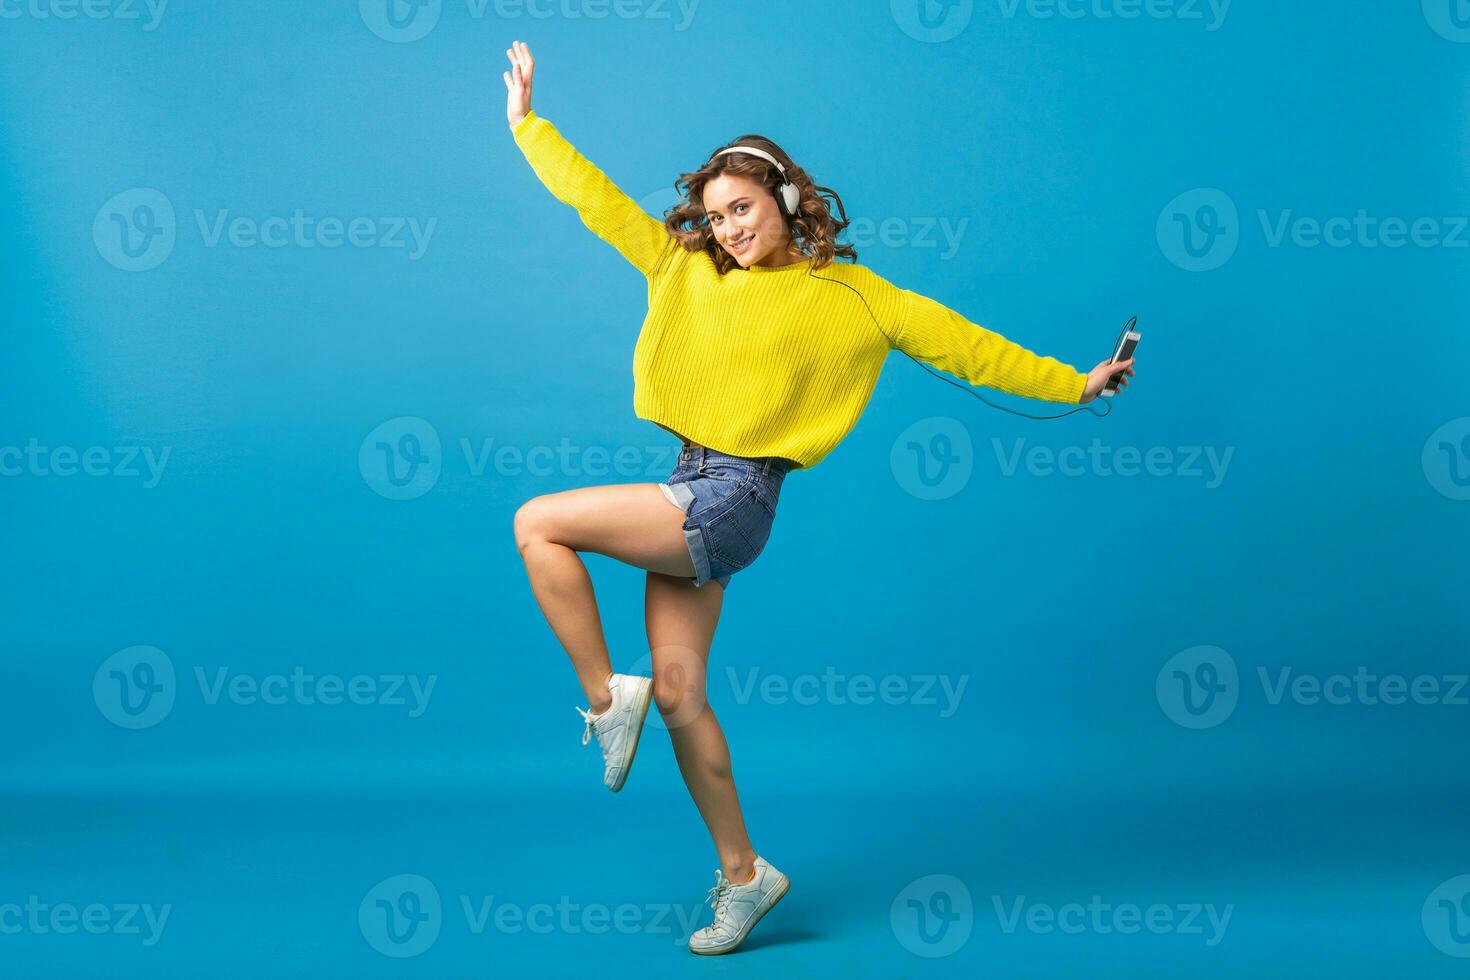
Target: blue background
x,y
1329,544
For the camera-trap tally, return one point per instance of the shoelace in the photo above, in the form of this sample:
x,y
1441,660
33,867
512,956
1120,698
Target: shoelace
x,y
719,896
588,717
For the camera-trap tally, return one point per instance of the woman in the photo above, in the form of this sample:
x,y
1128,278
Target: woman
x,y
760,366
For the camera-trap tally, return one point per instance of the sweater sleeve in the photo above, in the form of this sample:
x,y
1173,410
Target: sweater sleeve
x,y
932,332
573,179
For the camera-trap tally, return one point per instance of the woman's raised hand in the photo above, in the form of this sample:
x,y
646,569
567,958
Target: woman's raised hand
x,y
518,82
1099,376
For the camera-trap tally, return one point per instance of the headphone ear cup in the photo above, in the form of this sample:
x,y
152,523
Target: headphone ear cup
x,y
791,197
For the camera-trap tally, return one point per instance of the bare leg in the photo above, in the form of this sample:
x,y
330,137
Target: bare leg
x,y
681,624
632,522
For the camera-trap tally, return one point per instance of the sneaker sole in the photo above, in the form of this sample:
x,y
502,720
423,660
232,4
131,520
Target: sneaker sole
x,y
640,712
766,905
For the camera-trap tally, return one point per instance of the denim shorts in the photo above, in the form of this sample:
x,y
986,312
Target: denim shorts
x,y
730,503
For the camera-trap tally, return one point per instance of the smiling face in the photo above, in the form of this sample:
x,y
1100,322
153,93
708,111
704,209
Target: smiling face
x,y
748,223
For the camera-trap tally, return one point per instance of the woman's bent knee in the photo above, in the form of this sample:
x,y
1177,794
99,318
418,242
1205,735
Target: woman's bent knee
x,y
530,523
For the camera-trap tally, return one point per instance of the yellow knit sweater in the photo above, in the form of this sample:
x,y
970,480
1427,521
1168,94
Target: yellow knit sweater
x,y
772,361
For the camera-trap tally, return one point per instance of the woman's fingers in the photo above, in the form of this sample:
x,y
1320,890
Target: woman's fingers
x,y
518,81
528,64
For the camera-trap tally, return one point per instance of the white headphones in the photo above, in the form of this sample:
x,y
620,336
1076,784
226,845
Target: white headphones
x,y
787,194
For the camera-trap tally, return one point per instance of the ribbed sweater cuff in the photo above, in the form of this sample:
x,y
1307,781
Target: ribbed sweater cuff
x,y
519,127
1079,385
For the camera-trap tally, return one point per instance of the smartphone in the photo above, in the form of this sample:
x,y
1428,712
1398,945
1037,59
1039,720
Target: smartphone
x,y
1126,345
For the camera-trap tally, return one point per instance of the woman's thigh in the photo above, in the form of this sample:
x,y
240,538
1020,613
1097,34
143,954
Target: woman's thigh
x,y
632,522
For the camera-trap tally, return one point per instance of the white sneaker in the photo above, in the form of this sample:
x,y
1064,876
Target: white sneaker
x,y
738,908
618,727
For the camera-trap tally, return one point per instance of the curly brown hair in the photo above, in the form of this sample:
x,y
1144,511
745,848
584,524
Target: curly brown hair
x,y
813,228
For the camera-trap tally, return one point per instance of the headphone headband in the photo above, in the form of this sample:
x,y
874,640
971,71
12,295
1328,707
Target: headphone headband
x,y
755,151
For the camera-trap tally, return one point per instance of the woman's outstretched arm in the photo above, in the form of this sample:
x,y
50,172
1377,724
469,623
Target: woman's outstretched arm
x,y
573,179
932,332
